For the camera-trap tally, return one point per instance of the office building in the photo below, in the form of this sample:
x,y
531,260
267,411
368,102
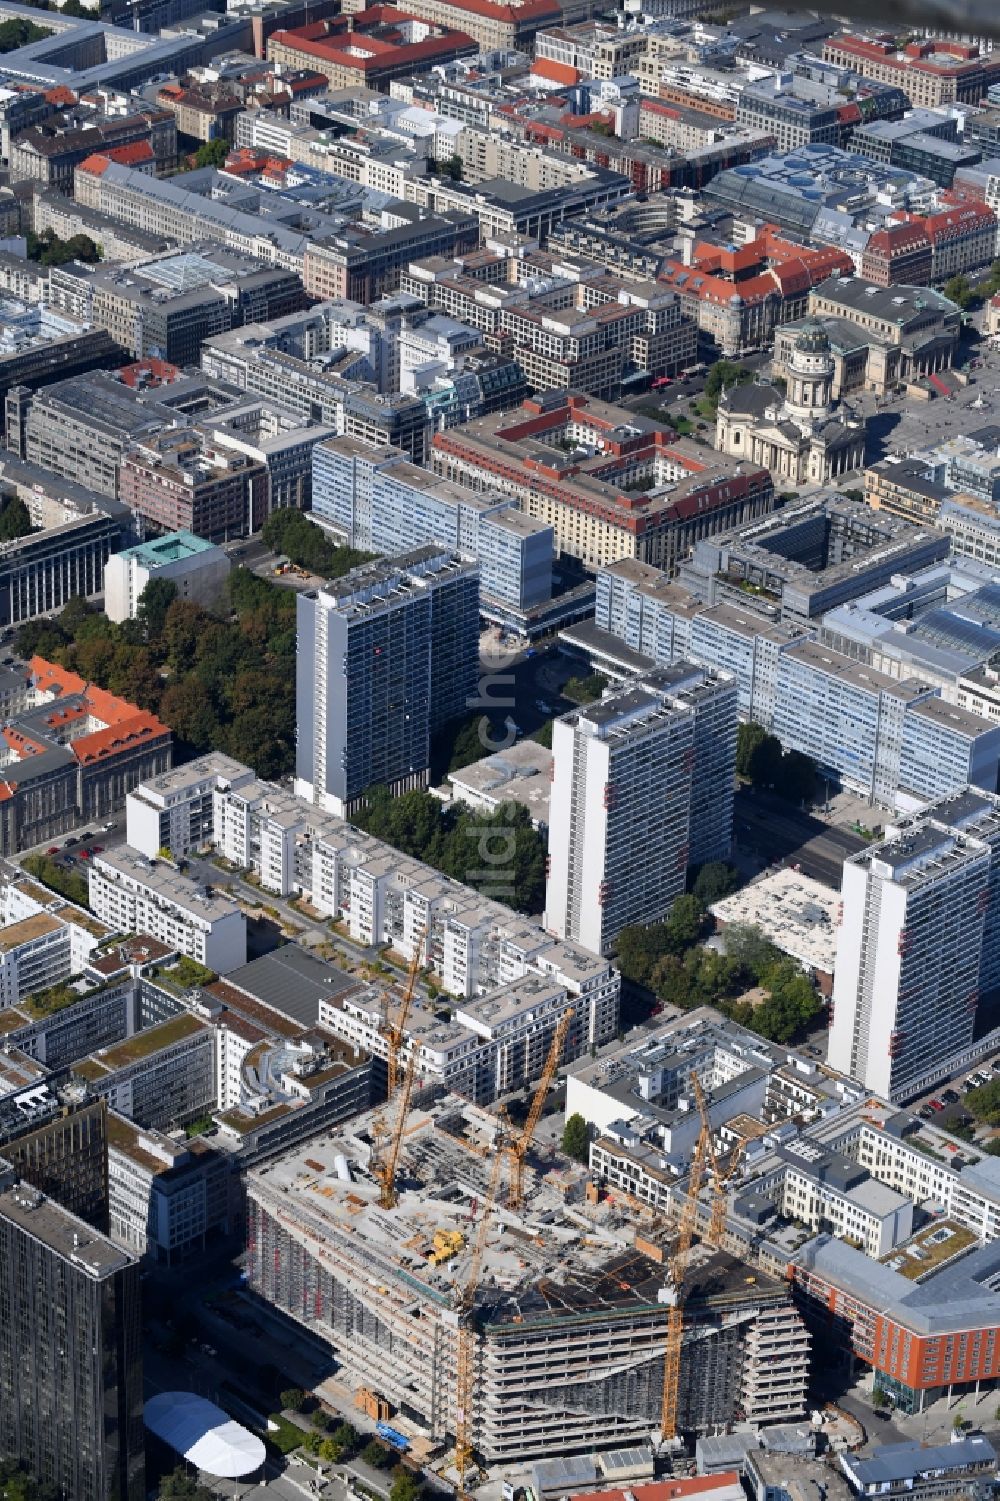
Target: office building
x,y
166,306
385,656
668,743
70,1354
166,1198
81,428
806,559
280,440
41,572
49,153
575,463
924,142
197,570
931,72
133,894
908,957
369,48
179,480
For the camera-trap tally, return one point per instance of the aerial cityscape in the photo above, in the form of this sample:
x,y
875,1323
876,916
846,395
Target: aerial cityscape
x,y
500,751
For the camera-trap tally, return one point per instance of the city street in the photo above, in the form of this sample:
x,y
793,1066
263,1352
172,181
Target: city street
x,y
774,831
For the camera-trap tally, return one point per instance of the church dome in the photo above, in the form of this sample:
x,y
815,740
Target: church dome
x,y
812,339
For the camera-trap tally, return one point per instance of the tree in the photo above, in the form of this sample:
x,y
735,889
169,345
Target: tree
x,y
376,1455
212,153
714,880
19,32
879,1398
984,1102
723,374
346,1436
797,782
576,1139
405,1485
585,690
765,763
319,1420
180,1486
748,737
49,250
154,602
959,291
190,715
684,923
15,520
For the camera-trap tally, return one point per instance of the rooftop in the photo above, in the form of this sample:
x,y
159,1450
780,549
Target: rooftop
x,y
72,1239
797,914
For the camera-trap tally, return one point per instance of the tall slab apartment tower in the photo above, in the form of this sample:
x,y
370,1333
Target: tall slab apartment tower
x,y
642,787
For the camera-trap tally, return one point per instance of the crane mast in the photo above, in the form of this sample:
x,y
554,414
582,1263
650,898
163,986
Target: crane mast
x,y
517,1150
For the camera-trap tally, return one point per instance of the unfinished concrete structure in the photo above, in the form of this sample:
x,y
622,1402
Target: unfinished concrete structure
x,y
569,1312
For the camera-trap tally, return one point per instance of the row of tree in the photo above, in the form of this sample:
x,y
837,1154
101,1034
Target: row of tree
x,y
291,532
759,757
498,853
227,684
14,519
49,250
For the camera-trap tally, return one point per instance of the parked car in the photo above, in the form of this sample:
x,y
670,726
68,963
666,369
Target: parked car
x,y
98,849
925,1113
68,843
950,1095
53,849
936,1104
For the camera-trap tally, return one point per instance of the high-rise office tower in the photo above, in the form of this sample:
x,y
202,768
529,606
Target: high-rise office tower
x,y
642,785
65,1155
909,951
70,1357
385,656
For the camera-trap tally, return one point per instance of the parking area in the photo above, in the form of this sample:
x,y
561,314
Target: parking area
x,y
946,1105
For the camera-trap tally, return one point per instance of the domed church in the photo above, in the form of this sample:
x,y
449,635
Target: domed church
x,y
803,436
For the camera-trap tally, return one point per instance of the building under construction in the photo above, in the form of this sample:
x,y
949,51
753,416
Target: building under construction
x,y
569,1308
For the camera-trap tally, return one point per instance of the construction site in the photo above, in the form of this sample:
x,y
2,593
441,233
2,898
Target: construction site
x,y
502,1308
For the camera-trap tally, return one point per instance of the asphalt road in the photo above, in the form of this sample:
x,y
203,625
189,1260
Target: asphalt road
x,y
777,832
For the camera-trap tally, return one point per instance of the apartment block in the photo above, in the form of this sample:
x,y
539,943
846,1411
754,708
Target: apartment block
x,y
669,742
385,656
381,503
50,152
906,984
134,894
175,811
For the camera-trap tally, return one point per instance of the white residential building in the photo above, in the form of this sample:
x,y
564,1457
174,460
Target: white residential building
x,y
44,938
134,894
906,984
648,769
175,811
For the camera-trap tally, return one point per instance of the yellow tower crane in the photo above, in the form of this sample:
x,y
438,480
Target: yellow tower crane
x,y
465,1388
678,1267
394,1030
517,1149
385,1167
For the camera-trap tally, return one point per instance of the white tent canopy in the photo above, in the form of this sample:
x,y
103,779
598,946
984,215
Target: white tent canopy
x,y
204,1435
